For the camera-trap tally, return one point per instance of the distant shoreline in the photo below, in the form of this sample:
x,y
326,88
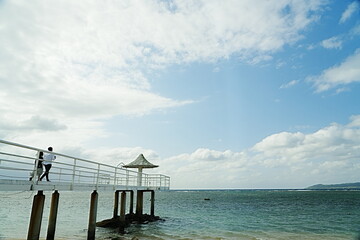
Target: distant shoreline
x,y
342,186
265,189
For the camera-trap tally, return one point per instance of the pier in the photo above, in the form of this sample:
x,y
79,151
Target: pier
x,y
18,165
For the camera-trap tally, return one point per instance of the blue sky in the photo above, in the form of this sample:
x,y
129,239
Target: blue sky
x,y
220,94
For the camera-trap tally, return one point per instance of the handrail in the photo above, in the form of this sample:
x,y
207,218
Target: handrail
x,y
46,151
20,162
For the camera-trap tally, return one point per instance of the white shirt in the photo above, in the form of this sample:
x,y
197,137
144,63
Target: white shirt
x,y
48,158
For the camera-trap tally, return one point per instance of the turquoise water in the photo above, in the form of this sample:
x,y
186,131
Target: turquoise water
x,y
244,214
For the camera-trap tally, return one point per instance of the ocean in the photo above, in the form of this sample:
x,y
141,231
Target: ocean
x,y
228,214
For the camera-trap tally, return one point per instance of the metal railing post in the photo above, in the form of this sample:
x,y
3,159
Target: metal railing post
x,y
115,177
60,174
98,176
127,178
34,173
73,175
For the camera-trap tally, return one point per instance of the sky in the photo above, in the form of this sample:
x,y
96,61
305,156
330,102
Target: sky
x,y
219,93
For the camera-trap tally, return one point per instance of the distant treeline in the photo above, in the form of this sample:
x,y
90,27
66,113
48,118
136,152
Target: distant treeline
x,y
342,186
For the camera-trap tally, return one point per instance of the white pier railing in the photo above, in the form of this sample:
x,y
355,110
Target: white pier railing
x,y
18,161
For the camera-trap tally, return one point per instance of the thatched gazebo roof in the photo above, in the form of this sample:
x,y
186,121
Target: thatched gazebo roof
x,y
140,162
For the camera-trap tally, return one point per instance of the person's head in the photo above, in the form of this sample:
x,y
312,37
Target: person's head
x,y
50,149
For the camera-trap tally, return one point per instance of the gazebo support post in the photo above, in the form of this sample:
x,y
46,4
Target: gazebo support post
x,y
139,177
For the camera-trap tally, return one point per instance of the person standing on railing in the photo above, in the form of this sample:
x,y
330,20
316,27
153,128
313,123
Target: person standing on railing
x,y
39,168
48,159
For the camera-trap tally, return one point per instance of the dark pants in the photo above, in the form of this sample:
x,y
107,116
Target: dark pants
x,y
46,173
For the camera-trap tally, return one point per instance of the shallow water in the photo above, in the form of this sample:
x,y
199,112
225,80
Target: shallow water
x,y
244,214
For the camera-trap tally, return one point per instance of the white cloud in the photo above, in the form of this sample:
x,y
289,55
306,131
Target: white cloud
x,y
79,63
355,30
345,73
280,160
334,165
333,42
350,10
331,143
115,156
280,64
67,66
260,59
289,84
206,168
34,123
341,90
355,121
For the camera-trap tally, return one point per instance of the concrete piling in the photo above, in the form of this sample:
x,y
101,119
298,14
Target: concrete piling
x,y
139,203
152,207
131,210
38,206
122,220
53,216
92,215
36,216
116,204
123,206
122,212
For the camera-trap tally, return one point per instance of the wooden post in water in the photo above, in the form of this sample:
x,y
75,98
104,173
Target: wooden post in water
x,y
152,208
92,216
139,204
116,204
53,215
36,216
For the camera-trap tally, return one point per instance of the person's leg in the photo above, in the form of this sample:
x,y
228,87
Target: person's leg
x,y
47,171
42,176
31,175
40,171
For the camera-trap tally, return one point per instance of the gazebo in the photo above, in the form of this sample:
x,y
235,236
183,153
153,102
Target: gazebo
x,y
140,162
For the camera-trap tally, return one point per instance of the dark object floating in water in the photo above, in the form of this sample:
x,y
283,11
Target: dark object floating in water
x,y
206,199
